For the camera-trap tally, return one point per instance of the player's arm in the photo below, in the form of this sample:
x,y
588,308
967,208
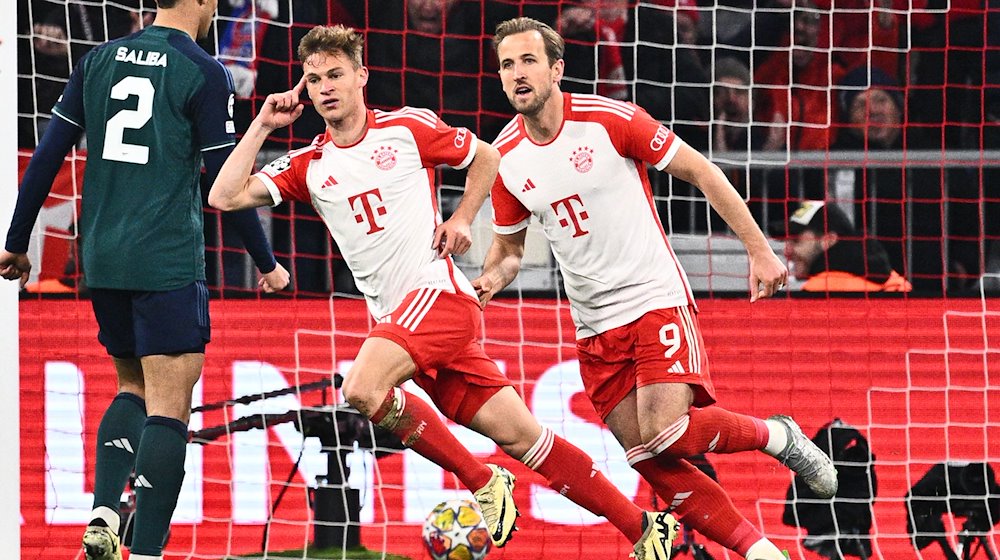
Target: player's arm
x,y
767,273
60,136
235,188
274,277
503,262
455,235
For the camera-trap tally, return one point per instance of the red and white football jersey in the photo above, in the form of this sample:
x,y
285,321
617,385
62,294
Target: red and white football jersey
x,y
589,190
378,199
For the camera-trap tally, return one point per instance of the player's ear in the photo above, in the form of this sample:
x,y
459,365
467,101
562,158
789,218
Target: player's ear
x,y
558,68
363,76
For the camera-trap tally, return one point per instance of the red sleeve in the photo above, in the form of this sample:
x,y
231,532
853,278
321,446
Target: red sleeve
x,y
286,176
644,138
443,144
507,210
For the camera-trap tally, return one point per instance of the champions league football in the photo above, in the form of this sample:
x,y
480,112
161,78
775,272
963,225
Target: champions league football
x,y
455,530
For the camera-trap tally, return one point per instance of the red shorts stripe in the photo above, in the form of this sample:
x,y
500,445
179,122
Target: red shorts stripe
x,y
440,331
662,346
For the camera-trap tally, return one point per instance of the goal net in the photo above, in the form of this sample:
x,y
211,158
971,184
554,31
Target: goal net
x,y
884,110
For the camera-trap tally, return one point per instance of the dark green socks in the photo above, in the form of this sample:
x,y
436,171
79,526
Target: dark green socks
x,y
117,443
159,470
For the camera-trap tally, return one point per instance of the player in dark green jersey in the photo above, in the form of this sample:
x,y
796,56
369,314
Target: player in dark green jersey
x,y
154,107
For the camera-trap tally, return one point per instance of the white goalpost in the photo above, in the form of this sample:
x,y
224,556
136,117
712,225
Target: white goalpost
x,y
10,518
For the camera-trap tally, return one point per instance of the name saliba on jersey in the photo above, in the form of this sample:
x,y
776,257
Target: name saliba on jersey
x,y
141,57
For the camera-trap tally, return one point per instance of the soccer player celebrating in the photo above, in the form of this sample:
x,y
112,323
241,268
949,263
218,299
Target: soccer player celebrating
x,y
576,163
369,176
154,106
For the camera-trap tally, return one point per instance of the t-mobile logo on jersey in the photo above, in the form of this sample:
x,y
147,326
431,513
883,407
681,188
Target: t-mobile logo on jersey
x,y
574,216
367,209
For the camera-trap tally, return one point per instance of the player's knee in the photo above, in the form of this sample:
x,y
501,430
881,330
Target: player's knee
x,y
664,437
516,447
358,395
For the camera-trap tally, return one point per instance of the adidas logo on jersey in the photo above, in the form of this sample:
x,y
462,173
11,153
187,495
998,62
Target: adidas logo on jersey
x,y
528,185
141,482
330,181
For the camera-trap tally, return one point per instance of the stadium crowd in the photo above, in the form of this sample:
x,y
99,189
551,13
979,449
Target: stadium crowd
x,y
826,100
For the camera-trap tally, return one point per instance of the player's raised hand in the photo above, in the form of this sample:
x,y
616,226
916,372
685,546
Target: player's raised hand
x,y
14,266
282,109
453,237
274,281
768,274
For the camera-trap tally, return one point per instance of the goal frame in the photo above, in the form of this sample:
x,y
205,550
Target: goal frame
x,y
10,517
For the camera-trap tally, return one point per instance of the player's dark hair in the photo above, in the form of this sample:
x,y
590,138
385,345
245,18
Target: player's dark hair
x,y
554,44
332,39
166,4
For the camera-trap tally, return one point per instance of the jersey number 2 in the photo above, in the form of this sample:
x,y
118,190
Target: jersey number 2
x,y
114,147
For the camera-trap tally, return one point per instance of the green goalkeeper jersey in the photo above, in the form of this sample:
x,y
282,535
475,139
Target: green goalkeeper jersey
x,y
150,104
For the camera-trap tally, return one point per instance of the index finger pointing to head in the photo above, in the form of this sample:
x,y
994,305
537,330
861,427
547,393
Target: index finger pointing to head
x,y
297,90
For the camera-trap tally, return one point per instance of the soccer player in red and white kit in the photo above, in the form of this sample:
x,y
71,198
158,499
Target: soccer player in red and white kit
x,y
577,163
370,178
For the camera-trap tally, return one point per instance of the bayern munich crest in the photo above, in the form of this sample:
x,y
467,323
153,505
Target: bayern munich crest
x,y
583,159
385,157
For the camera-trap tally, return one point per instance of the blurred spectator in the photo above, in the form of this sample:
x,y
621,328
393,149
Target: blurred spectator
x,y
644,53
869,32
436,54
901,208
948,46
241,38
732,130
686,101
53,36
796,92
740,31
43,69
686,16
271,30
863,30
873,104
824,250
602,23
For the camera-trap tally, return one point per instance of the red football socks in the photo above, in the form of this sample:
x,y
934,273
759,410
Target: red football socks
x,y
572,473
421,429
709,430
697,500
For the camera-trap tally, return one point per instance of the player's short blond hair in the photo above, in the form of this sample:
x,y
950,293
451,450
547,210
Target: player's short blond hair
x,y
554,44
332,39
